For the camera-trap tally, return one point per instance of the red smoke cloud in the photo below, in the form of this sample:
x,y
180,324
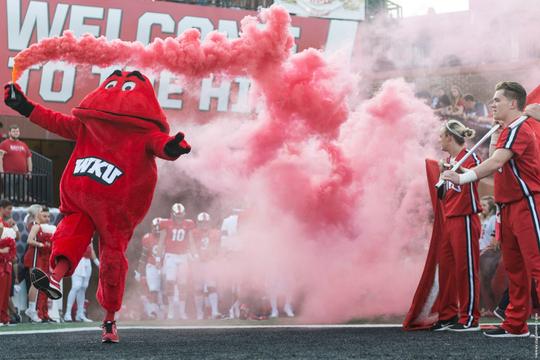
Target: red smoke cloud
x,y
187,54
338,215
337,201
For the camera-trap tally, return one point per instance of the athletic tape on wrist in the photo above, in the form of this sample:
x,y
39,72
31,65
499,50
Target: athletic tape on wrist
x,y
467,177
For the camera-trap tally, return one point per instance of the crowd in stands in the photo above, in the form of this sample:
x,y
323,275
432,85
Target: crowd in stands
x,y
453,104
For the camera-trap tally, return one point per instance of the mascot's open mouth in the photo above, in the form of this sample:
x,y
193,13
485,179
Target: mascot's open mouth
x,y
153,121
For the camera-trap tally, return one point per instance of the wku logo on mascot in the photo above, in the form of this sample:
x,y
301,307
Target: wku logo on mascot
x,y
107,186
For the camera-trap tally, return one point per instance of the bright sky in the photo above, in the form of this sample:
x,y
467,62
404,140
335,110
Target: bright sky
x,y
420,7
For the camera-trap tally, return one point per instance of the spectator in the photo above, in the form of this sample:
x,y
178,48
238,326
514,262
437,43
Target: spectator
x,y
440,100
455,110
472,109
15,158
487,238
489,254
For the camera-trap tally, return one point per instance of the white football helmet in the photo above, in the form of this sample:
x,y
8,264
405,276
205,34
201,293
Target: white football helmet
x,y
155,224
178,210
203,217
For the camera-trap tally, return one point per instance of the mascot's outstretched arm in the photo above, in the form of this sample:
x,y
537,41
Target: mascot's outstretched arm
x,y
167,147
58,123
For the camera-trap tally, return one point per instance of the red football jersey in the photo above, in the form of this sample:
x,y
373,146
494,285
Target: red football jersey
x,y
207,242
461,200
150,244
177,235
519,177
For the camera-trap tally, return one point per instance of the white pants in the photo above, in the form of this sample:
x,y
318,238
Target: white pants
x,y
153,277
176,268
79,283
83,270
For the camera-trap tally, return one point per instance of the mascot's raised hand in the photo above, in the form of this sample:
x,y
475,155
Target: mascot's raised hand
x,y
15,99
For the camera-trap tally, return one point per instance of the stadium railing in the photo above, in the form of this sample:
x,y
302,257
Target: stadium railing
x,y
37,188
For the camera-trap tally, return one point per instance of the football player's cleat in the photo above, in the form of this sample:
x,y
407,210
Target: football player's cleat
x,y
288,310
109,333
47,320
32,314
83,318
48,285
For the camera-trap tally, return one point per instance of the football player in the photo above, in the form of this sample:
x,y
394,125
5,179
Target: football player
x,y
207,242
177,243
231,248
79,283
150,266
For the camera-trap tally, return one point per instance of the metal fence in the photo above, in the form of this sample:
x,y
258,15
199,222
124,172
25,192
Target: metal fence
x,y
37,188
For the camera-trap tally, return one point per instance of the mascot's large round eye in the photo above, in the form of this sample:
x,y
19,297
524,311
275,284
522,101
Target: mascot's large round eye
x,y
111,84
128,86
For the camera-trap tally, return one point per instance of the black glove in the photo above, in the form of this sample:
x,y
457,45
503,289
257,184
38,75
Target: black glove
x,y
177,146
15,99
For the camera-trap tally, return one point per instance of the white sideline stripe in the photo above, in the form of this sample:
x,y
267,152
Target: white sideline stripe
x,y
203,327
216,327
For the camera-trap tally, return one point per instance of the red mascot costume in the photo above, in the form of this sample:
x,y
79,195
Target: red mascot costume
x,y
108,183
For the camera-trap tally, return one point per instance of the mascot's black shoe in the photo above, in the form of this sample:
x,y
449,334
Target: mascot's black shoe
x,y
46,284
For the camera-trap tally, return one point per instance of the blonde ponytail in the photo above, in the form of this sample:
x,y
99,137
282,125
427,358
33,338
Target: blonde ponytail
x,y
459,131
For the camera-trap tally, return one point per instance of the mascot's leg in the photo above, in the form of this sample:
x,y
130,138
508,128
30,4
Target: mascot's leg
x,y
70,241
115,230
112,270
112,276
